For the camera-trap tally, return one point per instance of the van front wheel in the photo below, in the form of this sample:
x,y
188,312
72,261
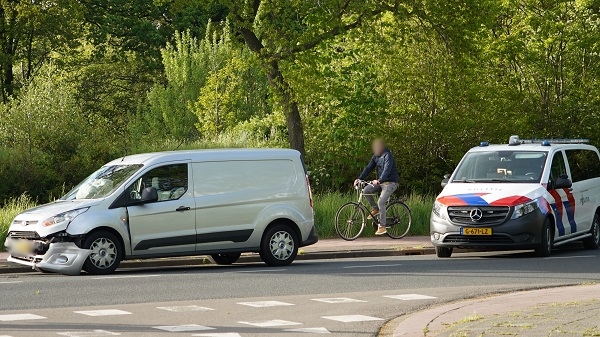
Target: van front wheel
x,y
279,246
106,254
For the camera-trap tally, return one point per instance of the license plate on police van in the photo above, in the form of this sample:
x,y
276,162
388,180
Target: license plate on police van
x,y
475,231
21,247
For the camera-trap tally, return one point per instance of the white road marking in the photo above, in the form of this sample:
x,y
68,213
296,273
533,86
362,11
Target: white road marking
x,y
106,312
410,297
10,282
373,266
5,336
308,330
352,318
255,271
568,257
220,334
183,328
336,300
121,277
19,317
265,304
185,308
93,333
271,323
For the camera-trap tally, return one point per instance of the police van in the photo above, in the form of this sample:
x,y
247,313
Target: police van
x,y
527,194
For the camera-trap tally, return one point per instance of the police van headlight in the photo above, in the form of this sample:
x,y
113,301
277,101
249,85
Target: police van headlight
x,y
63,217
524,209
440,210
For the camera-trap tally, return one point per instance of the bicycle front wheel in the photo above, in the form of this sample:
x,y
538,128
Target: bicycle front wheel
x,y
397,219
350,221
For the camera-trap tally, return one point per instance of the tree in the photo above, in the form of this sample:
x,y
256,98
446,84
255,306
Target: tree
x,y
278,31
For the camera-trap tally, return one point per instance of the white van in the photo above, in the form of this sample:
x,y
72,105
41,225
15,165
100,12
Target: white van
x,y
529,194
219,203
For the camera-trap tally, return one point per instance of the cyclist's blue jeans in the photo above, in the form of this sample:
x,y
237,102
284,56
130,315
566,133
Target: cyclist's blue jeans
x,y
386,189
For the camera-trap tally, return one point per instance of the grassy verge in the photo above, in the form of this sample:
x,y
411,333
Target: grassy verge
x,y
327,204
11,208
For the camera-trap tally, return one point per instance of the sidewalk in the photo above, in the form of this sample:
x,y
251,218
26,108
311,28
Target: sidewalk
x,y
324,249
565,311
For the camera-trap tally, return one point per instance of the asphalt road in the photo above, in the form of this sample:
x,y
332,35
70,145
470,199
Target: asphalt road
x,y
345,297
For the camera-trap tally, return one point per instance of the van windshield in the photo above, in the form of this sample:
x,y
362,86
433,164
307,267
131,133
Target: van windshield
x,y
501,167
102,182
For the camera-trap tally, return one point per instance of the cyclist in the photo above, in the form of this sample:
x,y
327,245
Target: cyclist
x,y
386,183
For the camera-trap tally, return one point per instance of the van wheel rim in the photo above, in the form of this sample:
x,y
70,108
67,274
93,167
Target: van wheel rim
x,y
282,245
596,232
104,253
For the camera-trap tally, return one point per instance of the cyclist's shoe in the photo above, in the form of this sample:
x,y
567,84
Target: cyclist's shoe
x,y
373,213
381,231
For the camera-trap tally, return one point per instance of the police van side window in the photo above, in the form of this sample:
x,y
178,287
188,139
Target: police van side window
x,y
584,164
558,168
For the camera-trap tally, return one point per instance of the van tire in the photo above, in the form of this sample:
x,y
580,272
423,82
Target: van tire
x,y
544,248
279,246
106,244
593,242
224,259
443,252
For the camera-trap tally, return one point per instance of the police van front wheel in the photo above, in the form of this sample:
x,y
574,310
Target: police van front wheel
x,y
544,248
443,251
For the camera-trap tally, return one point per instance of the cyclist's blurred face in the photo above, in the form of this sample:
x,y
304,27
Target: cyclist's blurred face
x,y
378,147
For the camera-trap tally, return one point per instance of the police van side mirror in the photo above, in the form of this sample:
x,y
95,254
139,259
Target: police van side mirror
x,y
445,180
563,182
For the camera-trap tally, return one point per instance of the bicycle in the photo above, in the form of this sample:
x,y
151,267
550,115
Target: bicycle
x,y
351,218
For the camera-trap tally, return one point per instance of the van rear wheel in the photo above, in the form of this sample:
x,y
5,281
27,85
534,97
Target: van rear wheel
x,y
106,255
279,246
224,259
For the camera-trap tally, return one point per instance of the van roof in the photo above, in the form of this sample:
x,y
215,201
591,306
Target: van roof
x,y
206,155
532,147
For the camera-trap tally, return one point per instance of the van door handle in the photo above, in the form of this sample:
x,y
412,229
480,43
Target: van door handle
x,y
183,208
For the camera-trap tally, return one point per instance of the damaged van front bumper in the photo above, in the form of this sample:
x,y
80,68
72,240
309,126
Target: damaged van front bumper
x,y
60,257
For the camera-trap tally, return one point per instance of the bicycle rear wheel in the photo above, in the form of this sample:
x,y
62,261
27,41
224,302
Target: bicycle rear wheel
x,y
350,221
397,219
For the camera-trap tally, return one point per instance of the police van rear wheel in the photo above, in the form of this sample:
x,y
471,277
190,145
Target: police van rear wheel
x,y
593,242
545,246
443,251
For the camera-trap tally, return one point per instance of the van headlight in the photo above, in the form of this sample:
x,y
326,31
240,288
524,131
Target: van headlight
x,y
63,217
524,209
440,210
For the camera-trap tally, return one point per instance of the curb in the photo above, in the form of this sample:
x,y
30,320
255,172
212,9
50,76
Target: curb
x,y
12,268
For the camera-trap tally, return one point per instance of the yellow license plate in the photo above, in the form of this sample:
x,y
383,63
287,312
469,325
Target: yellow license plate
x,y
22,247
476,231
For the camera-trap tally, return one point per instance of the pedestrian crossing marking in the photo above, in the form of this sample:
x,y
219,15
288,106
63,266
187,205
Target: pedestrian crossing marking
x,y
183,328
106,312
265,304
185,308
308,330
410,297
271,323
19,317
336,300
92,333
352,318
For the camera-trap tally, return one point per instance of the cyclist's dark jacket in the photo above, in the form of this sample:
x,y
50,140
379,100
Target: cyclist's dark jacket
x,y
386,168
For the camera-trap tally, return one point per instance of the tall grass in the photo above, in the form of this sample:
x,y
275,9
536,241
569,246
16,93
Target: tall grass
x,y
11,208
327,204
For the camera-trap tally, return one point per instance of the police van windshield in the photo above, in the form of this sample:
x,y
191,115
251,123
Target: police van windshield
x,y
501,167
102,182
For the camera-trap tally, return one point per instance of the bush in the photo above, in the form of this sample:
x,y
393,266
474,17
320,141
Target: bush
x,y
11,208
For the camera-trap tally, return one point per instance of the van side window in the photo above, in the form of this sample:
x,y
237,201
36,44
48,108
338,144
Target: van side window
x,y
584,164
558,168
170,181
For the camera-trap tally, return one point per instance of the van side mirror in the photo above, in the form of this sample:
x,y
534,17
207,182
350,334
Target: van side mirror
x,y
445,180
563,182
149,194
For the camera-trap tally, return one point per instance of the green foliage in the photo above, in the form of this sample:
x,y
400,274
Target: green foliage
x,y
8,210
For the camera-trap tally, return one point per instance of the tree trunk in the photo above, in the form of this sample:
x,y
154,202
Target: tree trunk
x,y
293,120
